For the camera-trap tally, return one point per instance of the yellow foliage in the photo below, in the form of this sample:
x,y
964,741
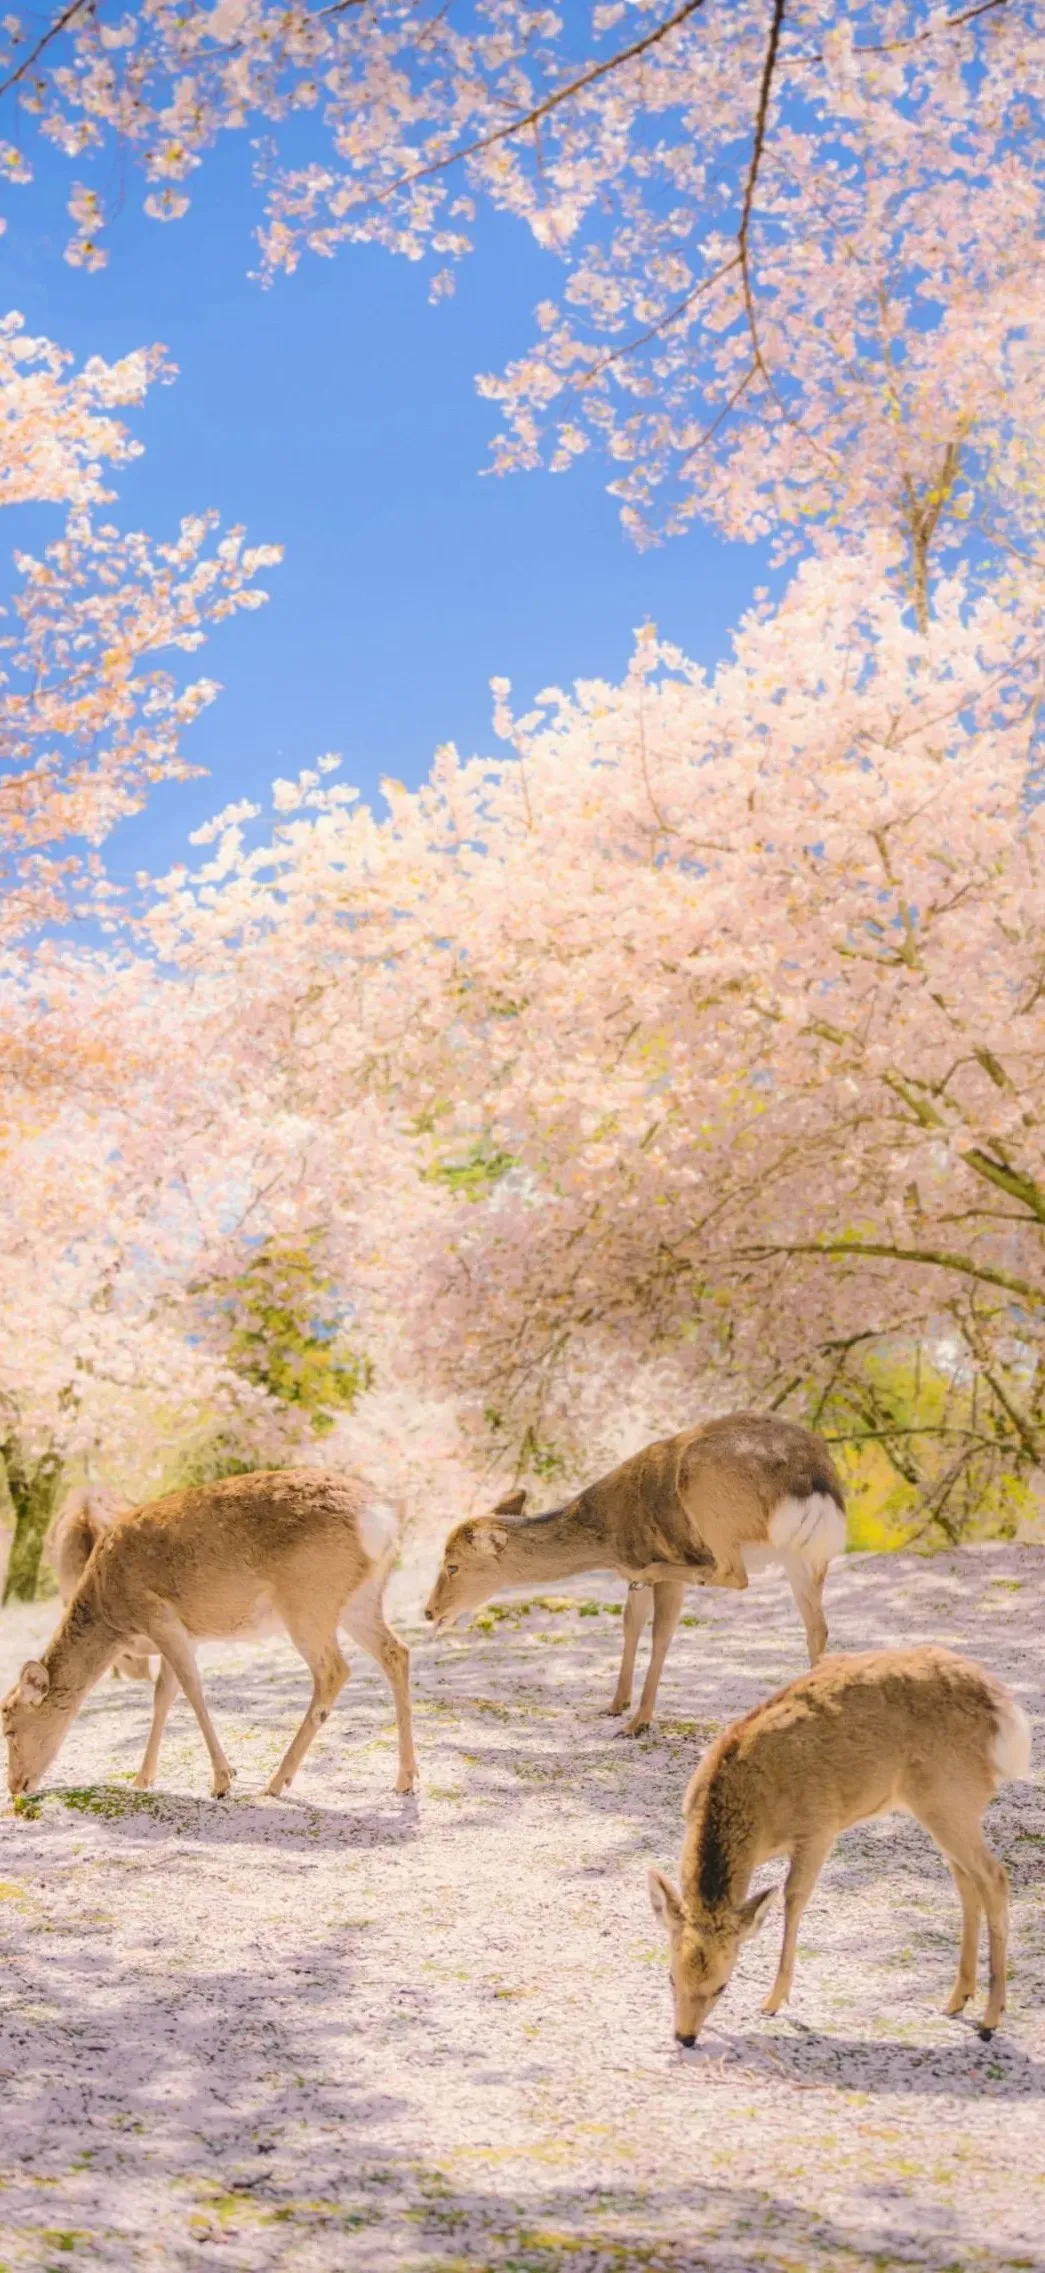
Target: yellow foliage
x,y
920,1455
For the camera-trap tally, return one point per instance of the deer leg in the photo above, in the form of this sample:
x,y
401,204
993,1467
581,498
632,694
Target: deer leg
x,y
364,1616
807,1586
994,1892
172,1638
317,1644
163,1697
959,1836
667,1603
965,1979
807,1863
638,1602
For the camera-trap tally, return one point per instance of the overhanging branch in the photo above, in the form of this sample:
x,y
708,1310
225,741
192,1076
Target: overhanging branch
x,y
880,1249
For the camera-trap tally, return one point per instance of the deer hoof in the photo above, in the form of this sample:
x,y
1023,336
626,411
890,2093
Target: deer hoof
x,y
222,1781
405,1783
956,2004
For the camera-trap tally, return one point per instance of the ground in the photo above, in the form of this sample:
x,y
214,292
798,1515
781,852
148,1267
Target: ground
x,y
349,2030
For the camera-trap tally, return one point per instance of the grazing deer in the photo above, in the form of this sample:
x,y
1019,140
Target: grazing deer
x,y
72,1543
918,1730
700,1509
307,1550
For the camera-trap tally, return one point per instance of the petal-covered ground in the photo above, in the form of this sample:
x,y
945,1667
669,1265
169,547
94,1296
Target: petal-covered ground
x,y
349,2030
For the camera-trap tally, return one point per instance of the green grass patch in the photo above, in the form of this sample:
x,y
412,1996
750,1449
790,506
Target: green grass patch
x,y
107,1801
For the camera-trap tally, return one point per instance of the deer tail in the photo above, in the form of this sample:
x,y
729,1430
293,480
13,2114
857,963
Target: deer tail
x,y
1011,1747
812,1528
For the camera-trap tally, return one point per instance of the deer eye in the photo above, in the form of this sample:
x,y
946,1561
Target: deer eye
x,y
452,1570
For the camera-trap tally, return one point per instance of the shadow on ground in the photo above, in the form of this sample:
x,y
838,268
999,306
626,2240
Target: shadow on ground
x,y
350,2030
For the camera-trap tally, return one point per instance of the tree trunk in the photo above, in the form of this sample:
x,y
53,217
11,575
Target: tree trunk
x,y
34,1488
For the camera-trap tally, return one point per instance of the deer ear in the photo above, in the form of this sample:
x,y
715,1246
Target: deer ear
x,y
667,1905
34,1682
491,1540
513,1503
753,1913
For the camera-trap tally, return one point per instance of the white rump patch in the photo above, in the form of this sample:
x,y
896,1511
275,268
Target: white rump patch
x,y
813,1529
378,1529
1011,1747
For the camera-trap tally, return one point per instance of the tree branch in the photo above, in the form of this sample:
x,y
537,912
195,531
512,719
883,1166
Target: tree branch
x,y
551,102
885,1436
75,8
918,39
934,1257
1009,1180
757,148
654,331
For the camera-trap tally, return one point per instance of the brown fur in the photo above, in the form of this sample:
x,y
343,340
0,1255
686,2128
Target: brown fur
x,y
680,1513
918,1730
72,1543
299,1546
697,1497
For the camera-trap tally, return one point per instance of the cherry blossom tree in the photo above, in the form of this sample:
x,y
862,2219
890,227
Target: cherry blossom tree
x,y
799,240
711,1020
89,720
694,1052
150,1339
89,717
91,1363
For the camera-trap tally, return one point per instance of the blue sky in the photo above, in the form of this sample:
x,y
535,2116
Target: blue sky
x,y
336,414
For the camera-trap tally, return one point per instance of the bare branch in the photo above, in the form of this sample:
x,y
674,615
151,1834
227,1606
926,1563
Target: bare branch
x,y
1028,1435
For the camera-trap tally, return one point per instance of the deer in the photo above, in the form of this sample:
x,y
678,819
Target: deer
x,y
917,1730
704,1508
73,1540
297,1548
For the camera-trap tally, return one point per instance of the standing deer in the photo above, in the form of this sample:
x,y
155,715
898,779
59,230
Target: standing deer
x,y
73,1541
307,1550
700,1509
918,1730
